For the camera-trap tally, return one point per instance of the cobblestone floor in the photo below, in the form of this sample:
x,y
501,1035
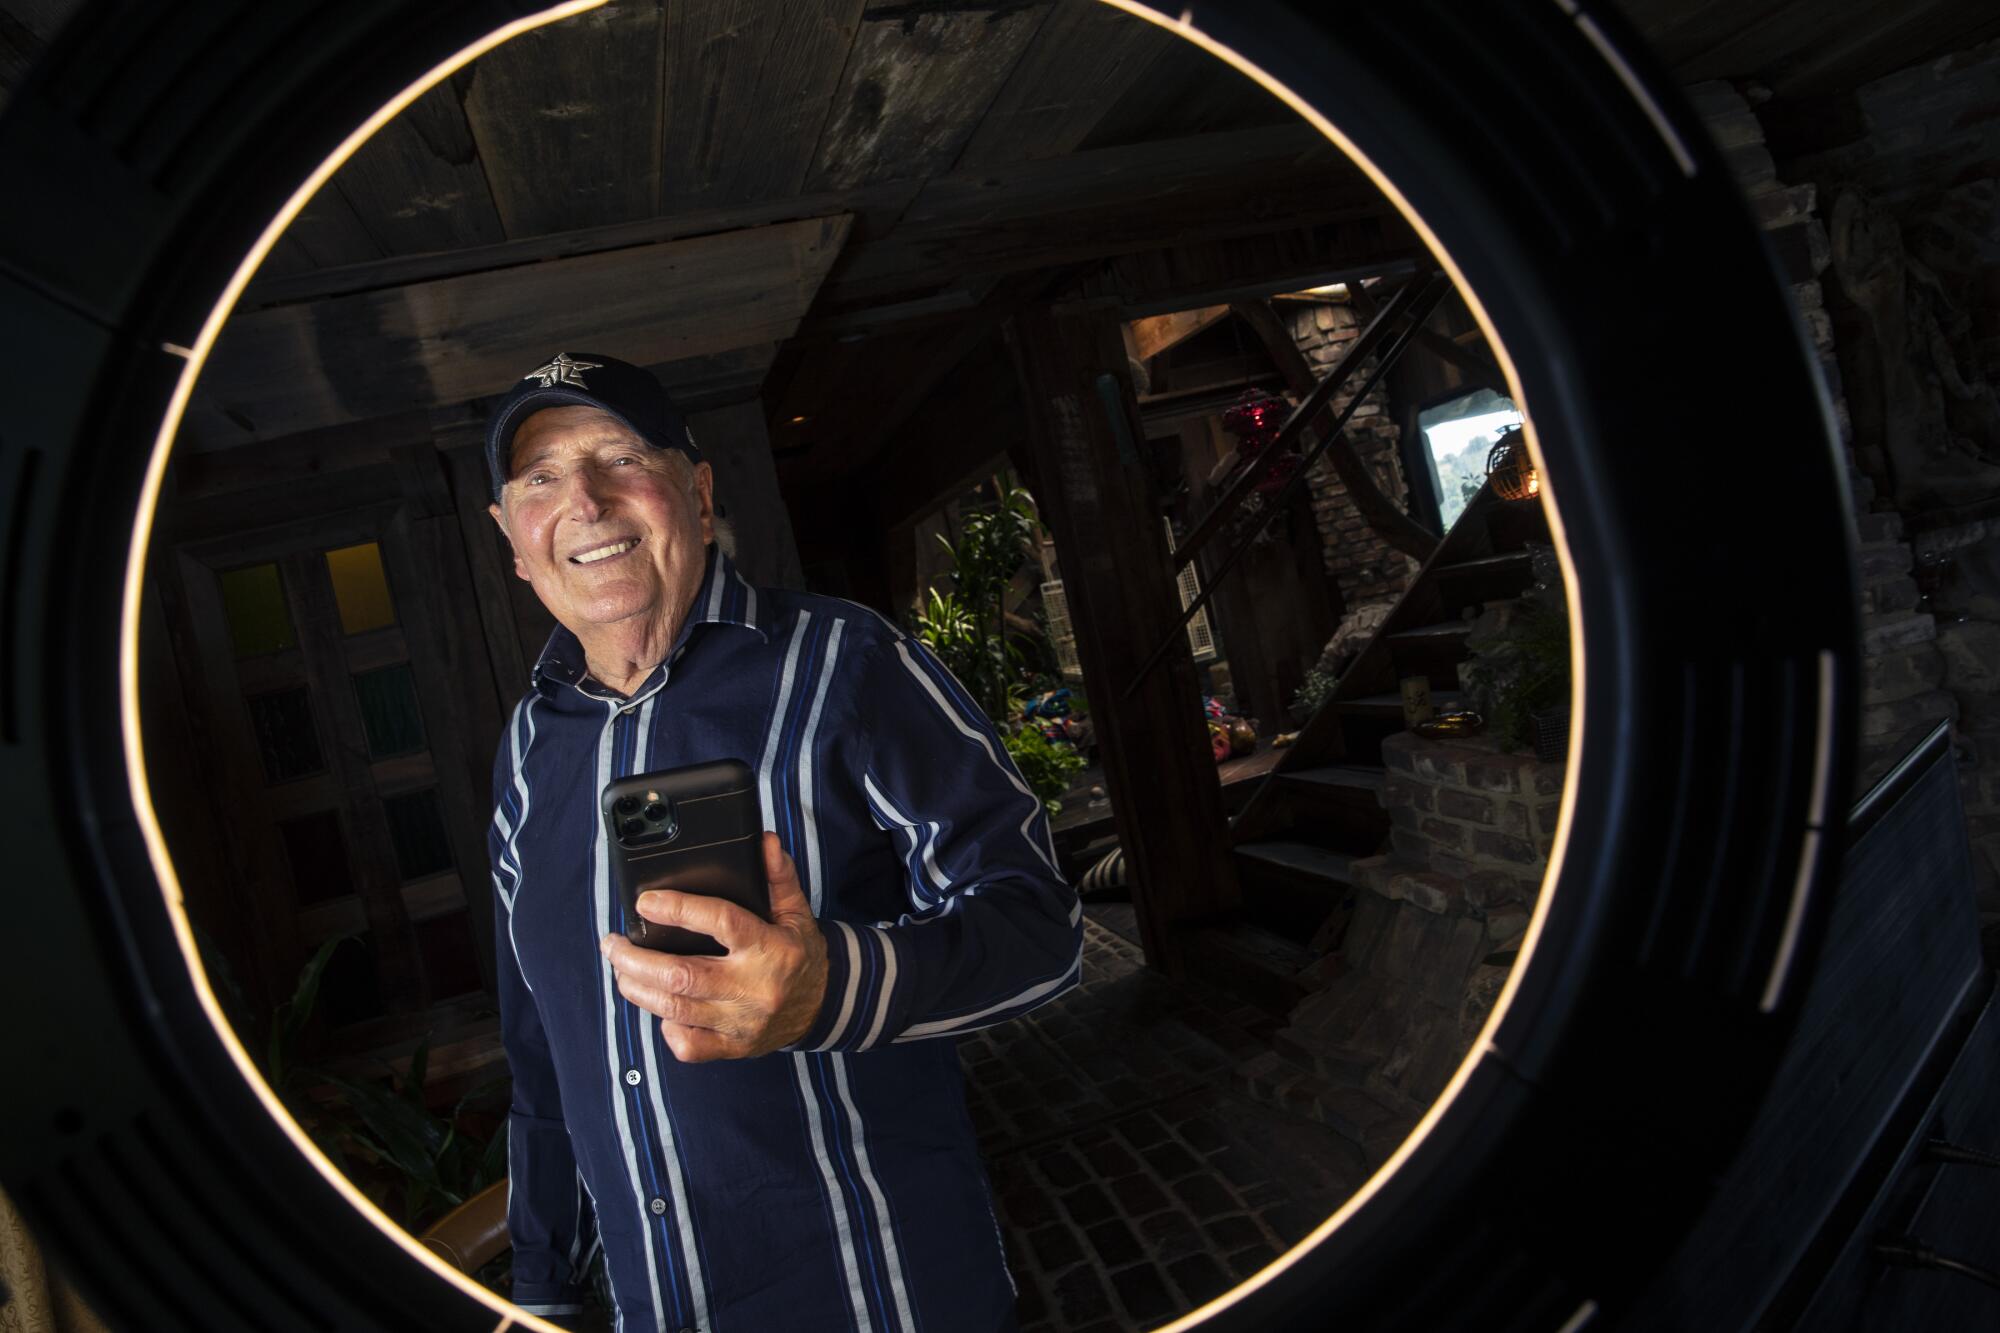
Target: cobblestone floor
x,y
1134,1178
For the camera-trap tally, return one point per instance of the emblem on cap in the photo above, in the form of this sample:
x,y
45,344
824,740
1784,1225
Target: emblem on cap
x,y
563,370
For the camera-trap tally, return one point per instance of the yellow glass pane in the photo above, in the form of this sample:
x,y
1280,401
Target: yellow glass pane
x,y
360,588
253,601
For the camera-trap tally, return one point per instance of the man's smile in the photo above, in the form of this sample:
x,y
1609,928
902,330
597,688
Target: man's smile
x,y
608,551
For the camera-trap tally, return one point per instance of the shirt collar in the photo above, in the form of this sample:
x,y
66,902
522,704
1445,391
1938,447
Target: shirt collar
x,y
723,598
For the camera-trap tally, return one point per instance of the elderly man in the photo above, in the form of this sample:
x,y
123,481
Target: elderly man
x,y
776,1138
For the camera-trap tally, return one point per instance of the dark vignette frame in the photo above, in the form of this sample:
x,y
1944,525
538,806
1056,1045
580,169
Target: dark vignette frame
x,y
1587,210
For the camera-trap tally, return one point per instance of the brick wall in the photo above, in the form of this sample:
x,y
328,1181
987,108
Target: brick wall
x,y
1366,568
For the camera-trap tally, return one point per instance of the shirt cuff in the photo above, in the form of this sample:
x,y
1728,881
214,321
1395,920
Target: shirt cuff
x,y
860,982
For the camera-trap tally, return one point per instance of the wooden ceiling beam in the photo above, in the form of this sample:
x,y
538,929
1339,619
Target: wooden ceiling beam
x,y
292,368
1147,338
873,207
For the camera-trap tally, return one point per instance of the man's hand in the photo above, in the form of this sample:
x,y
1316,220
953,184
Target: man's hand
x,y
763,995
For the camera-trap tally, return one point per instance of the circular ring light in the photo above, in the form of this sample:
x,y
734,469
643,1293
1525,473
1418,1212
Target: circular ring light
x,y
1586,218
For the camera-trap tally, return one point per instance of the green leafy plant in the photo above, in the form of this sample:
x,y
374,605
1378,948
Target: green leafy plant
x,y
440,1160
380,1134
1313,691
1522,667
967,626
1044,764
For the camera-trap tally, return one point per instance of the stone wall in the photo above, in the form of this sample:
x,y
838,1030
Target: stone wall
x,y
1922,151
1366,568
1407,985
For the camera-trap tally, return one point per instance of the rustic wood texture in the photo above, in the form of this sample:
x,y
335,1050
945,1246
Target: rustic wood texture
x,y
296,367
1117,200
419,183
735,443
914,90
567,119
1390,523
1096,497
746,87
1085,58
1147,338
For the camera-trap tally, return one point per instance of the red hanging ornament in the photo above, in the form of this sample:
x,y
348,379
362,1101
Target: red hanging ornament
x,y
1255,421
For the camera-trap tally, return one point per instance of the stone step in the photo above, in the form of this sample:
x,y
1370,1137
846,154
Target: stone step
x,y
1487,564
1887,633
1259,966
1300,860
1876,528
1341,777
1444,630
1370,1123
1884,560
1377,705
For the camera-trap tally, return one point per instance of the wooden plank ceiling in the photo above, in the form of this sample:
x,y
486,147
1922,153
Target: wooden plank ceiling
x,y
829,204
823,204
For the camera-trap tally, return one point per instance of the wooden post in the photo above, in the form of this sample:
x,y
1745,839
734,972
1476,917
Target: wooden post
x,y
1096,496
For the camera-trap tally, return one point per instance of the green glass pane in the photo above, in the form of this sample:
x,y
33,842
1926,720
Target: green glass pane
x,y
286,740
360,588
253,600
389,713
318,854
416,825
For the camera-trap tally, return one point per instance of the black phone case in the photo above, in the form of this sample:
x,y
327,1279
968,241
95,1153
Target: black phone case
x,y
716,847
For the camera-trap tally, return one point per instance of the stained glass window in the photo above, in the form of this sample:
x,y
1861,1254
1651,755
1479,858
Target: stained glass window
x,y
360,588
286,741
253,601
389,713
416,826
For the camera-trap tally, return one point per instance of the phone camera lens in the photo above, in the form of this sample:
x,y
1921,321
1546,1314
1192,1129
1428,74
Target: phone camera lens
x,y
631,828
627,805
656,812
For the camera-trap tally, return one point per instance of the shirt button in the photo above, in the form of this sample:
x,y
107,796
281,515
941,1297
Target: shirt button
x,y
627,710
632,1078
658,1206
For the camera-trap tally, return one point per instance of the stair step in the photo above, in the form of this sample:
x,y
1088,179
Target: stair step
x,y
1259,966
1393,703
1301,858
1489,563
1443,630
1353,777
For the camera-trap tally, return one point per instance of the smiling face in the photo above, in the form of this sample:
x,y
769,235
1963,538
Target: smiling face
x,y
611,532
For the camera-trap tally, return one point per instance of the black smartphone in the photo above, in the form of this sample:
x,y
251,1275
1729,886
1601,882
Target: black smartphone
x,y
697,829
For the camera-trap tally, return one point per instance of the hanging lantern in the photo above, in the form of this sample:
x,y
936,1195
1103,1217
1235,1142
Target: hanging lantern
x,y
1509,469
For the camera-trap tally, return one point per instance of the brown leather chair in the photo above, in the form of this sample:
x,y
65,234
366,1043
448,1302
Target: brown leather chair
x,y
471,1234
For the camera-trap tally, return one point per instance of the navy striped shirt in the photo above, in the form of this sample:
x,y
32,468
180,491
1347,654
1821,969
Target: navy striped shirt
x,y
835,1184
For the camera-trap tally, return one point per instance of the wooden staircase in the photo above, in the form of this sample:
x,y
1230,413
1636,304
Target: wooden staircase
x,y
1299,834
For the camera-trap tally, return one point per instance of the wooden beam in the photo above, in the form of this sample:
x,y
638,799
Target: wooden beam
x,y
1258,267
1084,59
1107,202
1118,577
1390,523
914,90
567,119
875,209
747,86
295,367
1147,338
959,434
419,182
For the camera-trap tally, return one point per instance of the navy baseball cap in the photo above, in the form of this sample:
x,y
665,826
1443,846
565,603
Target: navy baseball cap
x,y
587,379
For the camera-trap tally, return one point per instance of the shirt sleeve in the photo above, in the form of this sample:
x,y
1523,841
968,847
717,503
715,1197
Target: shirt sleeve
x,y
549,1218
995,928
